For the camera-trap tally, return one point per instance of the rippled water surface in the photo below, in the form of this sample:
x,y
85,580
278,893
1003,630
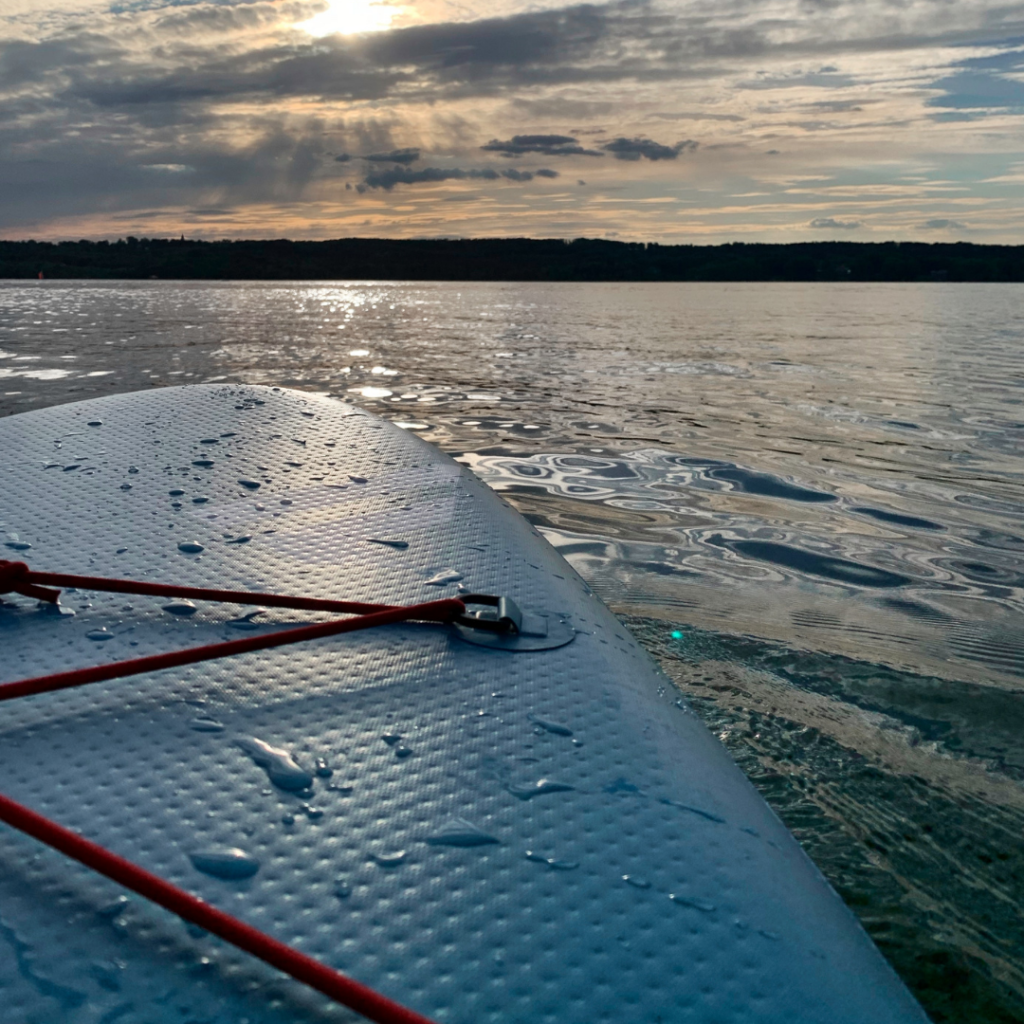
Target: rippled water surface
x,y
806,501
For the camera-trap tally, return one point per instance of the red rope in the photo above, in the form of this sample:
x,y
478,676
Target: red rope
x,y
432,611
332,983
17,577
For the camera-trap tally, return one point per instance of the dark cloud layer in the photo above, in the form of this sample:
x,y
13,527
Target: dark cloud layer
x,y
211,105
388,179
832,224
634,149
942,224
549,145
396,156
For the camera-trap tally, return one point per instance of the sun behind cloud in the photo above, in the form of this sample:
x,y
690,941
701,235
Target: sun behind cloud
x,y
350,17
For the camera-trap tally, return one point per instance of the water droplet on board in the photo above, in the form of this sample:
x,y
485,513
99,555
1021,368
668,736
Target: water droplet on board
x,y
246,621
206,725
176,492
323,769
100,634
95,423
18,545
558,730
183,608
342,890
281,768
403,751
358,479
231,864
106,975
244,539
251,485
391,738
539,788
637,883
397,544
203,463
288,819
445,576
126,487
551,862
190,547
286,501
210,440
459,832
200,499
114,908
388,860
313,813
692,901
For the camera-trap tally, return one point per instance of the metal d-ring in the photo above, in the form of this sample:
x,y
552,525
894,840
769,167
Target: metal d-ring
x,y
507,618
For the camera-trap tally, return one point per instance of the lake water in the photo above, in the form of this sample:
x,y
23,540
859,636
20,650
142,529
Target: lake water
x,y
806,501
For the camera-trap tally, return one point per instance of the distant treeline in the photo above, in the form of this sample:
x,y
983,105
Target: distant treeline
x,y
510,259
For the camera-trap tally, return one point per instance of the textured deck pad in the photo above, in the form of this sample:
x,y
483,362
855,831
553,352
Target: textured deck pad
x,y
486,836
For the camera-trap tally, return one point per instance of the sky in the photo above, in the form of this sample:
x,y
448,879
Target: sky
x,y
695,121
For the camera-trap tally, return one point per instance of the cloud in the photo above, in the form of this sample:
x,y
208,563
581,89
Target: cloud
x,y
560,108
823,78
634,149
697,115
549,145
393,176
100,110
831,224
943,224
396,156
835,106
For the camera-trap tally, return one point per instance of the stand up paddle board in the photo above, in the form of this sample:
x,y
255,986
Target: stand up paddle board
x,y
513,825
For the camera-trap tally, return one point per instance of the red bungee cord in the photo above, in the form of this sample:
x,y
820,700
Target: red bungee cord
x,y
17,577
303,968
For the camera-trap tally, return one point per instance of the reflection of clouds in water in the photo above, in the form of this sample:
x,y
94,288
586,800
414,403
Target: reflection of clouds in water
x,y
673,522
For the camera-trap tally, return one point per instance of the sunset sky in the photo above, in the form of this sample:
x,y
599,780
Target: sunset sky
x,y
677,121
